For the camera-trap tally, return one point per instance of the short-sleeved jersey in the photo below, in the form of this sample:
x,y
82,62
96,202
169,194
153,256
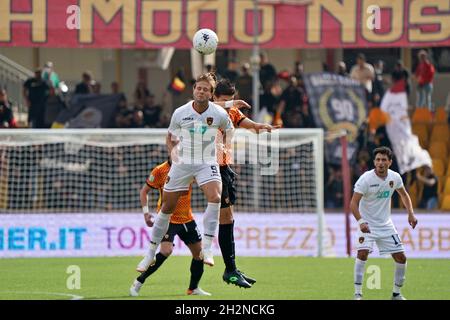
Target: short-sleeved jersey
x,y
197,132
375,204
225,155
183,210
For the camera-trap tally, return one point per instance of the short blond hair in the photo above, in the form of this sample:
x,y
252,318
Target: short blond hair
x,y
209,77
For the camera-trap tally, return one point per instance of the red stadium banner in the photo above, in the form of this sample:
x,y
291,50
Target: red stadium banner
x,y
282,24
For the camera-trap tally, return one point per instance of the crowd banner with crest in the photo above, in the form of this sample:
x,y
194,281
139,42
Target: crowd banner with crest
x,y
337,103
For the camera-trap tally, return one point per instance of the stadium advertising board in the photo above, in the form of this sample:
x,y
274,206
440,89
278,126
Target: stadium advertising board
x,y
155,24
115,234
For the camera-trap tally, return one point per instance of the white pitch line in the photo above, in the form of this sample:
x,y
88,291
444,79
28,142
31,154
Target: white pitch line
x,y
73,296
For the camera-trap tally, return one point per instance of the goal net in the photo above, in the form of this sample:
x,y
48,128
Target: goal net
x,y
102,170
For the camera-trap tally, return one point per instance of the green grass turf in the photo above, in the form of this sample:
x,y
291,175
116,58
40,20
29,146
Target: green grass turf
x,y
277,278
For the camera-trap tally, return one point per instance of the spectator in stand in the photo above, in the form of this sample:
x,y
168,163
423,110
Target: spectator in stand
x,y
85,86
291,105
334,188
399,80
115,88
364,73
96,87
244,84
401,74
151,112
141,93
232,73
430,188
6,114
54,105
342,69
138,119
267,72
36,92
298,70
268,101
378,83
424,76
124,115
49,75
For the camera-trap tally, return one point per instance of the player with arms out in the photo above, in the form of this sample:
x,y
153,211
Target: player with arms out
x,y
224,95
371,207
191,144
182,224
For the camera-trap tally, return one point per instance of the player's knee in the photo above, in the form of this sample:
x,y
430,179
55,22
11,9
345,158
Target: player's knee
x,y
214,198
166,251
400,258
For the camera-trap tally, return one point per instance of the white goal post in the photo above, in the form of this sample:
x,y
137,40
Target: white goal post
x,y
102,170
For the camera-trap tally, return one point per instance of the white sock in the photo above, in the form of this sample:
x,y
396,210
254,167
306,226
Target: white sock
x,y
160,227
207,242
211,220
399,276
359,275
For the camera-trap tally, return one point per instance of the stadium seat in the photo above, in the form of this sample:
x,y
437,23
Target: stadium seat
x,y
422,115
441,115
446,202
377,118
447,186
421,131
448,169
438,150
440,132
439,167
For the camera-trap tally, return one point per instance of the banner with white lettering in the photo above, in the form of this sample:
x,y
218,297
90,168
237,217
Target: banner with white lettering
x,y
264,235
337,103
405,144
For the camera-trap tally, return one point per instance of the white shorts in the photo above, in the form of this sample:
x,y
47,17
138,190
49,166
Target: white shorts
x,y
386,244
181,176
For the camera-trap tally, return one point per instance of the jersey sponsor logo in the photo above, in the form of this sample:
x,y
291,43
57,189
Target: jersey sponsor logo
x,y
374,185
151,178
187,118
391,184
209,120
383,194
200,129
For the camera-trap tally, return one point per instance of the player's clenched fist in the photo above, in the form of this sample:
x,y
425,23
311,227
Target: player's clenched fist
x,y
148,219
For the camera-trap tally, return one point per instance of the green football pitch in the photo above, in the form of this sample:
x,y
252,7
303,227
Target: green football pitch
x,y
277,278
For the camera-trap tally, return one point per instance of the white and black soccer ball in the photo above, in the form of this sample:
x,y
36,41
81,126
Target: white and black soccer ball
x,y
205,41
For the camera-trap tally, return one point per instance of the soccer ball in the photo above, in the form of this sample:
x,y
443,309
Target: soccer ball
x,y
205,41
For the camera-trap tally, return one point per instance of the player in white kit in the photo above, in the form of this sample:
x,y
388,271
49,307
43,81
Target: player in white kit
x,y
191,142
371,207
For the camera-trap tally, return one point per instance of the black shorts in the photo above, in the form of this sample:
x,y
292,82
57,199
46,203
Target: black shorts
x,y
228,187
188,232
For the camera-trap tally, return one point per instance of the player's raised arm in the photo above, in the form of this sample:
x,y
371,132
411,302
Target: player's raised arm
x,y
240,104
406,199
250,124
354,206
